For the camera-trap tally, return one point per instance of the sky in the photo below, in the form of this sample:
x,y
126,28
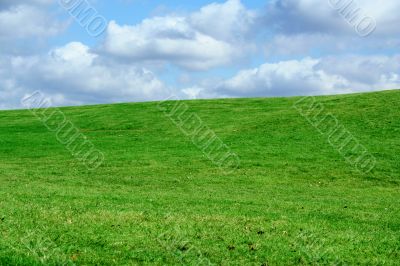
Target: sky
x,y
79,52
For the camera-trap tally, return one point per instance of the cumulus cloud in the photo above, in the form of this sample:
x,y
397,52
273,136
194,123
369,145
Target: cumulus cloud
x,y
310,16
229,21
9,91
72,74
313,28
330,75
211,37
216,38
22,23
300,44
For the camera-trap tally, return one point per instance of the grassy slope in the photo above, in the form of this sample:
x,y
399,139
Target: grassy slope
x,y
293,200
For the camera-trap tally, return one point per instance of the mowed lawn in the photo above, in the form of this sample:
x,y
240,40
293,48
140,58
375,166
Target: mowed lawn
x,y
157,199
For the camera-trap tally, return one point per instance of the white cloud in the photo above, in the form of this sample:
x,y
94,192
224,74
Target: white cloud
x,y
230,21
311,27
330,75
209,38
24,25
192,92
24,21
285,78
9,91
299,44
72,74
121,67
301,16
168,39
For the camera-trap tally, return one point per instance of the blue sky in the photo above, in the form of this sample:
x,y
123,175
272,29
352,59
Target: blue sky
x,y
150,50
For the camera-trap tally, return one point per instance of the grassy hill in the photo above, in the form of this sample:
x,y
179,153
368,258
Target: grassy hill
x,y
157,199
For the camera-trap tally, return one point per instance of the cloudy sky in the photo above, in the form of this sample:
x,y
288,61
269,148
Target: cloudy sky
x,y
97,51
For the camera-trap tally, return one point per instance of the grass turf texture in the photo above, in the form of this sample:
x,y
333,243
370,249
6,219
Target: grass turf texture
x,y
158,200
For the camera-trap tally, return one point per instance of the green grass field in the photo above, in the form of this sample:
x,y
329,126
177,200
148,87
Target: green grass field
x,y
157,199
